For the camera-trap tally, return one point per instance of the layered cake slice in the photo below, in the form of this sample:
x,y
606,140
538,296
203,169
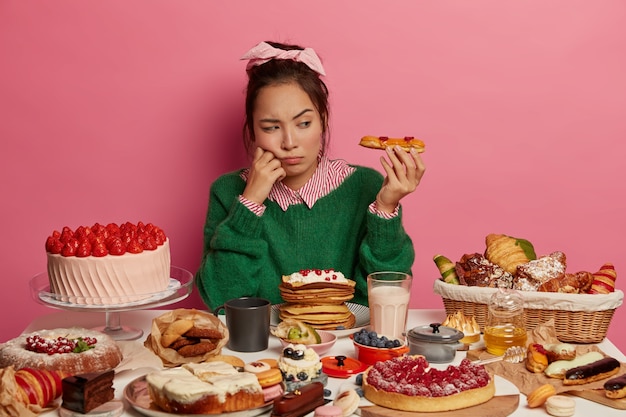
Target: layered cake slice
x,y
82,393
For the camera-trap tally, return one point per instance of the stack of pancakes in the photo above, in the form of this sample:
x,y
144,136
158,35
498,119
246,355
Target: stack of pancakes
x,y
317,297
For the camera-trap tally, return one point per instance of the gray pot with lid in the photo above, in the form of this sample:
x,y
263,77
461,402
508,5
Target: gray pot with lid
x,y
435,342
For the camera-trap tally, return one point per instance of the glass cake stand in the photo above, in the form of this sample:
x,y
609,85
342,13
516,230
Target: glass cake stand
x,y
179,288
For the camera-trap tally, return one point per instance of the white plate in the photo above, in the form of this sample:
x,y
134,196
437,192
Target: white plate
x,y
136,393
97,303
361,315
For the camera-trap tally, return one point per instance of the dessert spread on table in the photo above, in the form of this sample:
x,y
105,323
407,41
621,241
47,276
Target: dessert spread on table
x,y
108,264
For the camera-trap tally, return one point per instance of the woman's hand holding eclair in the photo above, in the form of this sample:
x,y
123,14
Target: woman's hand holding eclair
x,y
404,173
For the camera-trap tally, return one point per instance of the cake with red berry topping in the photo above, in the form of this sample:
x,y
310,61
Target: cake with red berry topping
x,y
317,297
70,350
108,264
408,383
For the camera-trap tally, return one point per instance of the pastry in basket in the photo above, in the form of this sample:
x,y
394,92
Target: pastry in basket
x,y
447,269
408,383
604,280
475,270
532,274
576,283
207,388
508,252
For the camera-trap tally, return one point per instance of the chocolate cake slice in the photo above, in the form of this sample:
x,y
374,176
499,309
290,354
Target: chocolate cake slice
x,y
82,393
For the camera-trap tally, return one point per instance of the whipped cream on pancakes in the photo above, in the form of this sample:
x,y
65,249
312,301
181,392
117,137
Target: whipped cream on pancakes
x,y
310,276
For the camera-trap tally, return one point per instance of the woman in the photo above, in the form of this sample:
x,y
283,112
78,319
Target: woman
x,y
294,208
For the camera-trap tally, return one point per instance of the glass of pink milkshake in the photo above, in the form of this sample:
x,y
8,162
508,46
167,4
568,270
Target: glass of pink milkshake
x,y
389,293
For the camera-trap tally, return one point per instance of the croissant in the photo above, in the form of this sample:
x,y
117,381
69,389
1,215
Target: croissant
x,y
508,252
604,280
577,283
446,268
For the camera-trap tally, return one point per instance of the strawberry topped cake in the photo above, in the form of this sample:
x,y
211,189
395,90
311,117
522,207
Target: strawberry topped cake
x,y
407,383
110,264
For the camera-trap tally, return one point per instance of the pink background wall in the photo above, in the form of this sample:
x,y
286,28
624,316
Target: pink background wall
x,y
128,110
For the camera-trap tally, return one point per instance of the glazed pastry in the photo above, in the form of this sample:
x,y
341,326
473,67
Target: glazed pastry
x,y
578,283
508,252
536,358
560,406
447,269
616,387
540,395
604,280
530,275
475,270
560,352
558,369
382,142
591,372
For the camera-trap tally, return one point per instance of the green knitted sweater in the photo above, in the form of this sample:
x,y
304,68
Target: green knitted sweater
x,y
247,255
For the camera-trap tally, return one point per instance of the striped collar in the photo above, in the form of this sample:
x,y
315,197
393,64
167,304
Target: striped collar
x,y
326,178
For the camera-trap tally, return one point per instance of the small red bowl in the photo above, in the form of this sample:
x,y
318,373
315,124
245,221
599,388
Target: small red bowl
x,y
370,355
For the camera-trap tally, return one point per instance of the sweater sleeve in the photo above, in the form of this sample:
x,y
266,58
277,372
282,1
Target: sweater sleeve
x,y
232,246
385,247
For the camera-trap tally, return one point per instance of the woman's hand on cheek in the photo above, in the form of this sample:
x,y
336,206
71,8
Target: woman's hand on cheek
x,y
404,173
264,172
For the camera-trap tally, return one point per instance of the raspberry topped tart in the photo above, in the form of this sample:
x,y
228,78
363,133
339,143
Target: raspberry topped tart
x,y
407,383
108,264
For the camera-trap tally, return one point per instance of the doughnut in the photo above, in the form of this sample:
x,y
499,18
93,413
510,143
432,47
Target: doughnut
x,y
615,388
560,406
348,401
269,377
382,142
540,395
591,372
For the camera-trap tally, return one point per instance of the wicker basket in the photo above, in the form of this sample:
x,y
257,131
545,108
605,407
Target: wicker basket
x,y
578,318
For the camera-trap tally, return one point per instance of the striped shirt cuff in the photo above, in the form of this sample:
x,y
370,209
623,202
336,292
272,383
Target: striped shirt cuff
x,y
374,210
256,208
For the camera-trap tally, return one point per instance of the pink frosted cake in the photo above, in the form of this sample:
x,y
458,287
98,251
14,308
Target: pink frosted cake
x,y
108,264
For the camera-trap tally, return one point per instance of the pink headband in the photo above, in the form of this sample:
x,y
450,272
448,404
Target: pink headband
x,y
264,52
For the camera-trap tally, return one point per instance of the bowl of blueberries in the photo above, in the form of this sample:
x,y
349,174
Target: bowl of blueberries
x,y
369,347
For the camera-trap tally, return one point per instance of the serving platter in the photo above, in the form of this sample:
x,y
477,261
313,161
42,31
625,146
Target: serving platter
x,y
361,315
137,395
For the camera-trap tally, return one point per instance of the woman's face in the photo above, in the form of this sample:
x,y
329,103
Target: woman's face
x,y
287,124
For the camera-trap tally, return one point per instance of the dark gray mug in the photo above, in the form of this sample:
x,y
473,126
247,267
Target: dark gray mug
x,y
248,322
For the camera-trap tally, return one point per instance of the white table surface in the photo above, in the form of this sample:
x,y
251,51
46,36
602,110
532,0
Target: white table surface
x,y
142,319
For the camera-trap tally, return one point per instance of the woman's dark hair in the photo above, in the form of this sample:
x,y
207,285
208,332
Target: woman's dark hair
x,y
281,71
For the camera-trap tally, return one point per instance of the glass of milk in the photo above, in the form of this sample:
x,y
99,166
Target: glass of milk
x,y
389,293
